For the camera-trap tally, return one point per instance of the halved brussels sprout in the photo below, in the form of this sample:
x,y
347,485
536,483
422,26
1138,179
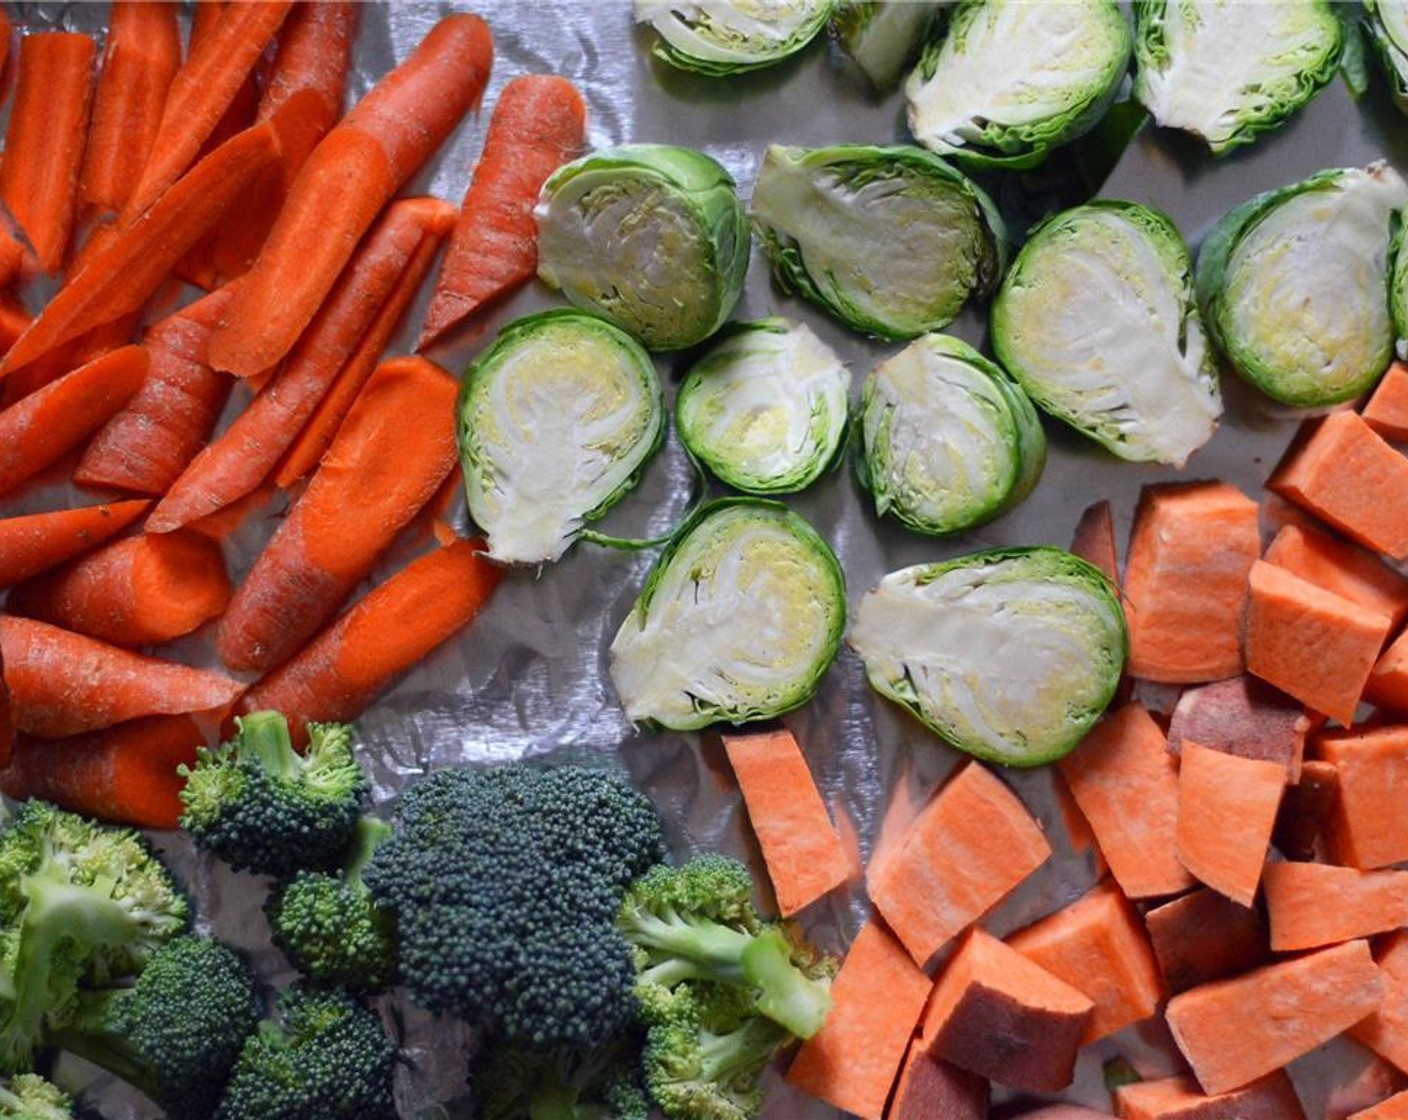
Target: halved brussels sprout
x,y
649,236
948,440
557,418
883,36
892,241
1010,654
737,621
765,409
1096,321
1229,70
722,37
1387,21
1012,79
1294,285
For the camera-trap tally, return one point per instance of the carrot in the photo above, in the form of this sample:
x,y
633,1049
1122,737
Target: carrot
x,y
125,774
1300,824
1386,411
142,55
1366,827
930,1089
1318,646
40,429
1235,1031
1341,567
397,623
7,718
6,31
971,846
11,255
146,446
1185,581
1245,717
44,142
67,358
1385,1032
1125,761
1394,1108
40,541
62,683
1226,812
1313,904
344,184
1098,946
1273,1097
876,1000
1204,936
122,277
138,591
236,463
538,124
800,846
1094,540
14,321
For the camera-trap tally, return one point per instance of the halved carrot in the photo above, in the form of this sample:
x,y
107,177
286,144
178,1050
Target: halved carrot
x,y
393,627
1246,717
40,429
1314,904
343,185
14,321
1203,936
67,358
1366,826
932,1089
1386,1031
1273,1097
62,683
1341,567
1226,812
45,139
1386,411
39,541
1094,540
538,124
876,1000
1394,1108
1305,807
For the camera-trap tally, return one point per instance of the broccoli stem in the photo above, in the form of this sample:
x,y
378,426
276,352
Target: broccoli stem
x,y
787,995
89,1037
368,834
264,736
696,948
739,1053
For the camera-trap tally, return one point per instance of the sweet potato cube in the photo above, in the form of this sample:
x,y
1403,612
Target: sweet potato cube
x,y
1205,936
1273,1097
1226,812
1385,1032
1242,716
1386,411
1315,904
1387,685
1094,540
1395,1108
1367,826
1341,567
1305,807
932,1089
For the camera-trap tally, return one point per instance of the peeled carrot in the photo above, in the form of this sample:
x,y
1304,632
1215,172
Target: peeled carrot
x,y
62,683
142,55
538,124
344,184
1386,411
7,719
67,358
1315,904
14,321
1386,1031
393,627
38,430
1366,827
236,463
40,541
1226,813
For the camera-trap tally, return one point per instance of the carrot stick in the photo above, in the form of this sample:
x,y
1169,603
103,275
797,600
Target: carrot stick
x,y
39,429
123,275
203,90
11,255
142,55
538,124
65,359
44,142
391,456
395,625
236,463
14,321
125,774
62,683
146,446
40,541
344,184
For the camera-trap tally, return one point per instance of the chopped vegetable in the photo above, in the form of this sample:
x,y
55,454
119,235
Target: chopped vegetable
x,y
1305,810
1341,567
1364,828
513,1081
1203,936
1226,812
1386,410
1243,716
34,543
1315,904
1178,1098
1387,24
883,36
1094,540
932,1089
723,37
27,1096
1386,1030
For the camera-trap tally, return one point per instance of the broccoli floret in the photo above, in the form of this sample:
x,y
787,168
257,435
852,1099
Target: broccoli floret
x,y
324,1057
28,1096
259,805
504,885
81,904
515,1082
328,925
697,922
176,1031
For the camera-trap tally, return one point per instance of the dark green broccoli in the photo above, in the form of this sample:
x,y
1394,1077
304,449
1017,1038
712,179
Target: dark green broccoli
x,y
259,805
81,904
504,885
514,1082
28,1096
697,922
329,927
176,1031
324,1057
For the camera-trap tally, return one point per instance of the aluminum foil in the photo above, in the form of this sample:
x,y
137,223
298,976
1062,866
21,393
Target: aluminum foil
x,y
529,677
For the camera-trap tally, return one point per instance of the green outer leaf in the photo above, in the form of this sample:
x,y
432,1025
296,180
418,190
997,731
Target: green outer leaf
x,y
1393,54
742,57
1398,284
884,36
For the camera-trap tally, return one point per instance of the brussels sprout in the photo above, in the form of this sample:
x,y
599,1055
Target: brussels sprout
x,y
737,621
892,241
1228,70
1010,655
1012,79
766,409
1387,21
557,418
1096,321
649,236
722,37
883,36
1294,285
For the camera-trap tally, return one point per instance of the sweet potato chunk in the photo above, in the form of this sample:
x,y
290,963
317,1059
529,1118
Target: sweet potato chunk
x,y
1179,1098
1341,567
1385,1032
1315,904
1226,812
1245,717
932,1089
1367,826
1386,411
1205,936
1305,807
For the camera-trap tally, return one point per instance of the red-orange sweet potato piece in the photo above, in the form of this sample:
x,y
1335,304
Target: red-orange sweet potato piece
x,y
1386,411
1315,904
1226,811
1205,936
1367,826
1395,1108
1385,1032
1245,717
932,1089
1179,1098
1305,806
1341,567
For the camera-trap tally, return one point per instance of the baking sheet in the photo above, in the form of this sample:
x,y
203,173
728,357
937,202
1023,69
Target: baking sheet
x,y
529,676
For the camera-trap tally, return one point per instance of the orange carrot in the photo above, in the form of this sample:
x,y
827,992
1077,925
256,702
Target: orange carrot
x,y
344,184
7,719
1226,813
62,683
1246,717
67,358
1300,825
538,124
1386,411
236,463
1273,1097
45,425
1204,936
138,591
6,31
11,254
931,1089
1341,567
397,623
14,321
125,774
1313,904
1386,1031
141,57
34,544
1366,827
